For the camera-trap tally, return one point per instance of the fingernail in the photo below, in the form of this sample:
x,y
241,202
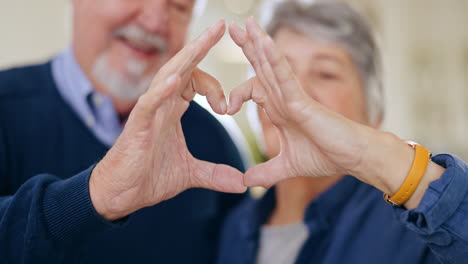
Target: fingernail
x,y
219,23
223,107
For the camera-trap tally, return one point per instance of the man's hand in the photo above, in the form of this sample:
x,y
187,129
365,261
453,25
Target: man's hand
x,y
150,162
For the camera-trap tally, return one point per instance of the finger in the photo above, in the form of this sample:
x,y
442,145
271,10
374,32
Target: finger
x,y
240,37
218,177
193,53
275,66
251,89
239,95
267,174
257,36
189,57
255,33
281,70
148,103
206,85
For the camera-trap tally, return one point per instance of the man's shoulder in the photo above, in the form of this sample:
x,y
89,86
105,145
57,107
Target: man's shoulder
x,y
198,121
196,114
207,139
25,81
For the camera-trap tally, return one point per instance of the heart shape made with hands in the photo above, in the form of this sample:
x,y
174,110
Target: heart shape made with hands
x,y
312,138
277,91
142,169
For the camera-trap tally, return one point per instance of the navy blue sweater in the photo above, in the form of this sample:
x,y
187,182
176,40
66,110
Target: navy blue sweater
x,y
46,157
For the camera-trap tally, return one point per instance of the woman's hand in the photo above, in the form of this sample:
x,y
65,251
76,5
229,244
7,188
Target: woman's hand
x,y
314,140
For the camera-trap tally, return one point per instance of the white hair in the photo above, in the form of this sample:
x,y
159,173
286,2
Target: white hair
x,y
132,83
127,87
338,22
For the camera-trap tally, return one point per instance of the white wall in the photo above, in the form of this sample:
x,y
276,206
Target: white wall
x,y
31,30
425,46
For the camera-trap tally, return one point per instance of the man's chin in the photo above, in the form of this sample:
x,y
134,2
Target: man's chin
x,y
127,89
127,86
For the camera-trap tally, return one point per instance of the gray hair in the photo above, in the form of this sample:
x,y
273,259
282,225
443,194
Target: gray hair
x,y
337,22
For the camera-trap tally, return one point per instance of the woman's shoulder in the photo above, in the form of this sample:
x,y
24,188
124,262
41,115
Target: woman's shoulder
x,y
236,233
241,212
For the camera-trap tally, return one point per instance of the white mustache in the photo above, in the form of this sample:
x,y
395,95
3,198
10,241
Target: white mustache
x,y
138,34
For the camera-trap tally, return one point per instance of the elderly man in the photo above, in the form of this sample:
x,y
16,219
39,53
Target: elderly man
x,y
63,116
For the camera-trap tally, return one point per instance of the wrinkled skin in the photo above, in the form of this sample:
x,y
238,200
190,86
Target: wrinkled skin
x,y
305,150
150,162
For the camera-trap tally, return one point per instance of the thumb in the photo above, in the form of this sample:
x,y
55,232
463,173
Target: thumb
x,y
267,174
217,177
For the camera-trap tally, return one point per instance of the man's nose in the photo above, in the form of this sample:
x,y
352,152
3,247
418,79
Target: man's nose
x,y
154,16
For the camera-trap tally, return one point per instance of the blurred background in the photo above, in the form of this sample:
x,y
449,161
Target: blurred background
x,y
424,47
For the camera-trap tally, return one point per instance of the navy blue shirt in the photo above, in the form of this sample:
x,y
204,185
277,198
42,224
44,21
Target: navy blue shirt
x,y
350,223
49,218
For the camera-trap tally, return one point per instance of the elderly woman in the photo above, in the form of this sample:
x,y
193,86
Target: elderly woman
x,y
325,217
